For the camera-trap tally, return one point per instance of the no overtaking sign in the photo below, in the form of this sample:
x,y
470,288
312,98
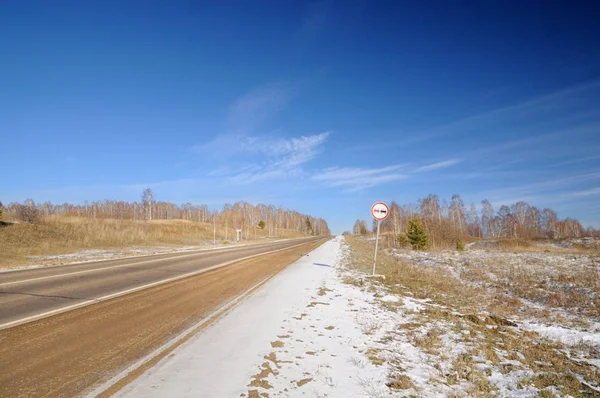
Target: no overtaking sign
x,y
380,211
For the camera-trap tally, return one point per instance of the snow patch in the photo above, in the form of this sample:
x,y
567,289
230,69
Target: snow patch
x,y
388,298
566,336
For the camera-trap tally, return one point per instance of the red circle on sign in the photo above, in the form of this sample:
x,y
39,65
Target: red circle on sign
x,y
380,211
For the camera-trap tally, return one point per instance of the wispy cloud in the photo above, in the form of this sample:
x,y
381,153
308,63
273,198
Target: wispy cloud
x,y
247,115
354,179
552,191
576,161
253,108
531,104
243,154
284,157
534,141
438,165
585,193
539,107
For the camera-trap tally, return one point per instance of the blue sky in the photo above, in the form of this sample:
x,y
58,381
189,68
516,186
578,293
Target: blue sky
x,y
322,107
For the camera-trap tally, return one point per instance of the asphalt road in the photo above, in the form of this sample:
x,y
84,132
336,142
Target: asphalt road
x,y
97,349
34,293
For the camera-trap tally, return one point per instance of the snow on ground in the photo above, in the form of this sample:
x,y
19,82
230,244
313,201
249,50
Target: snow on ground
x,y
320,329
561,287
566,336
492,323
304,333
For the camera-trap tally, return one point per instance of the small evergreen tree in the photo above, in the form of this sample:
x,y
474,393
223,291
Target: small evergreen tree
x,y
261,224
417,235
403,240
460,246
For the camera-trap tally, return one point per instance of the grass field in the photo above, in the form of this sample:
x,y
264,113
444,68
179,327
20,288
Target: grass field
x,y
61,235
513,320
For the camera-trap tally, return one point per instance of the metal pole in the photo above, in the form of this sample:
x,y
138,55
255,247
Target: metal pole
x,y
376,245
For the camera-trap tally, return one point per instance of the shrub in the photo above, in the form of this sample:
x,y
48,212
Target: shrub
x,y
460,246
417,235
402,240
28,213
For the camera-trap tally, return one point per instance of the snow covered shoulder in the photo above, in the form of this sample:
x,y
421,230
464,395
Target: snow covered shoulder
x,y
304,333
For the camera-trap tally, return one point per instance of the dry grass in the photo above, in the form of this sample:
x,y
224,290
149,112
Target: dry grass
x,y
258,380
518,245
430,342
315,303
302,382
368,324
323,291
554,281
422,282
373,356
401,382
60,235
488,300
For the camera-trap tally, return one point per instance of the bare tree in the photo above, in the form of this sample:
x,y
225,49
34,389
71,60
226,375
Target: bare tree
x,y
473,224
487,215
28,212
456,211
549,223
147,198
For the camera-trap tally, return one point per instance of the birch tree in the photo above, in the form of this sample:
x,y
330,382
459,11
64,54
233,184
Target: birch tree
x,y
147,198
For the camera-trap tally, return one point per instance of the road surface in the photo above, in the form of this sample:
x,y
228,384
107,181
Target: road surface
x,y
71,353
30,294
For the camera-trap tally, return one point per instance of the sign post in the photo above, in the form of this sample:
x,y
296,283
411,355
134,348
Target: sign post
x,y
379,211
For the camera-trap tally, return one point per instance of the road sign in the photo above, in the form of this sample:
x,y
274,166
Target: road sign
x,y
380,211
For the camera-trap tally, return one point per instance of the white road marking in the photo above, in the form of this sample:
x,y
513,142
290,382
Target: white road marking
x,y
132,290
236,246
97,269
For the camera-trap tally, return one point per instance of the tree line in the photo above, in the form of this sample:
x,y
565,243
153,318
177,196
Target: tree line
x,y
239,215
448,222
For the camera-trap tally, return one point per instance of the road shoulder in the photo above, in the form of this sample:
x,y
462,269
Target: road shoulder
x,y
302,333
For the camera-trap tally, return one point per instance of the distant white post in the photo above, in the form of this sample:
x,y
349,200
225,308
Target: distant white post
x,y
379,211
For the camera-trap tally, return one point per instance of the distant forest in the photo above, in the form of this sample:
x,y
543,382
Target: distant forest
x,y
450,221
240,215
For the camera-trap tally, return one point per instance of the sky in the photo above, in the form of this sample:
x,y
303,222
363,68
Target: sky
x,y
323,107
